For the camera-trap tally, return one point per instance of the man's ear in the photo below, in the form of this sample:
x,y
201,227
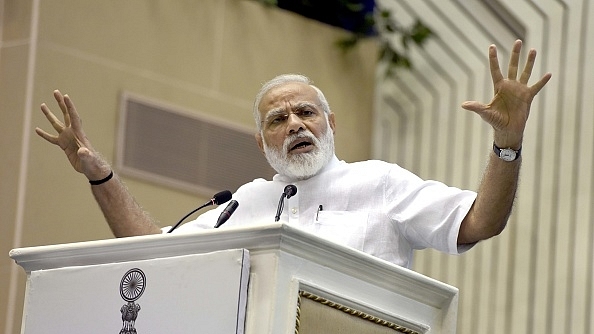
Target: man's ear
x,y
332,122
259,142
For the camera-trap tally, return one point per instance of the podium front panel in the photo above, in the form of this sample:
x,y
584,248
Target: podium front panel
x,y
198,293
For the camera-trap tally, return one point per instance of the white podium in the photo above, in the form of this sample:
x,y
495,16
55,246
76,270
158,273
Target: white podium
x,y
257,279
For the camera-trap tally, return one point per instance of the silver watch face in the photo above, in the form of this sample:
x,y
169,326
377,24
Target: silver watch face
x,y
507,154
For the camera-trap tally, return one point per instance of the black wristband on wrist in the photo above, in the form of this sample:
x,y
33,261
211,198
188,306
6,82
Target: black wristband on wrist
x,y
98,182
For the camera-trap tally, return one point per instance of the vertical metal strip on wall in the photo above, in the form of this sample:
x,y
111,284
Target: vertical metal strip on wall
x,y
23,164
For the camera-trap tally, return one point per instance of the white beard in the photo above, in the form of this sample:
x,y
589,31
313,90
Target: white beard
x,y
303,165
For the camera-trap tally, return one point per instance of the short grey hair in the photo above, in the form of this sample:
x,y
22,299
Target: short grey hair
x,y
281,80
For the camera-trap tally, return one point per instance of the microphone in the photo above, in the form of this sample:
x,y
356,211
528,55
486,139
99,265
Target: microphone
x,y
218,198
226,214
288,192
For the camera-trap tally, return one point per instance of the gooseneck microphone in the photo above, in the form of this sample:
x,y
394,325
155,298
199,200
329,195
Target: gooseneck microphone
x,y
226,214
289,191
218,198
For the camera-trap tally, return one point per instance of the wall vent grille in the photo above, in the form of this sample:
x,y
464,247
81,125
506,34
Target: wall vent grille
x,y
181,149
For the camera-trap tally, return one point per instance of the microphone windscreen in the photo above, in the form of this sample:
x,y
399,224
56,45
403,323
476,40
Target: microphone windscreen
x,y
221,197
290,190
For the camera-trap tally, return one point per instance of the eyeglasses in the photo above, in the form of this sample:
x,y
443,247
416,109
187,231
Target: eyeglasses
x,y
276,119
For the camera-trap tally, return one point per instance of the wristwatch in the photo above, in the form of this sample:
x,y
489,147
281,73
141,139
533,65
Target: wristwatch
x,y
507,154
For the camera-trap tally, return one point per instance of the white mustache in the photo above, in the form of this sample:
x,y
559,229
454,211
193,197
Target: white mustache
x,y
306,134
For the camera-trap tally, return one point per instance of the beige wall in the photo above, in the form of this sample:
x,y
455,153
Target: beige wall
x,y
206,56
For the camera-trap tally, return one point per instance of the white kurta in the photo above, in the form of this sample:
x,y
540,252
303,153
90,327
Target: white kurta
x,y
373,206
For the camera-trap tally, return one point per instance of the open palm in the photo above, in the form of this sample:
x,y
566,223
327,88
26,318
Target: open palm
x,y
509,109
71,137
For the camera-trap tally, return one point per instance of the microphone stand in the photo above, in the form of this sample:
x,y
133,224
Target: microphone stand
x,y
279,209
288,192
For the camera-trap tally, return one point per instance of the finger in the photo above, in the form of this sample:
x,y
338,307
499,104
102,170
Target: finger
x,y
534,89
528,68
76,124
60,99
84,153
496,74
47,136
474,106
73,116
514,60
54,121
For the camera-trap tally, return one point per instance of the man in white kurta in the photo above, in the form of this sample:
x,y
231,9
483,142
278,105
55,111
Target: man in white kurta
x,y
373,206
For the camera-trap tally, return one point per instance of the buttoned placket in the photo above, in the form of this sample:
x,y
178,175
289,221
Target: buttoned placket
x,y
293,209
